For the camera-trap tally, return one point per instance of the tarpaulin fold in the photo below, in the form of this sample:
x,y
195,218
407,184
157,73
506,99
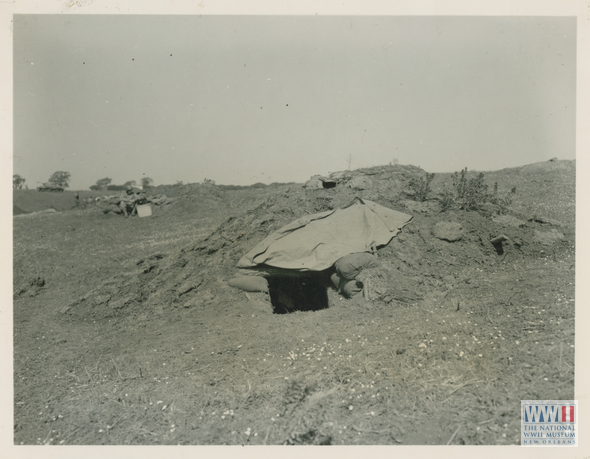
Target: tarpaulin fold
x,y
315,242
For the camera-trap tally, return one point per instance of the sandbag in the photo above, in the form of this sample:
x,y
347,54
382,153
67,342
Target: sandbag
x,y
335,281
106,208
351,288
250,283
347,288
314,183
350,266
360,182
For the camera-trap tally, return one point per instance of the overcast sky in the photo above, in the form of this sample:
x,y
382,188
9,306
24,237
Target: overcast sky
x,y
245,99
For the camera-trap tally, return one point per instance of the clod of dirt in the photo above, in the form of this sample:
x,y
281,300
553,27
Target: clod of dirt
x,y
544,220
188,286
121,303
101,299
423,207
448,231
548,237
508,220
31,287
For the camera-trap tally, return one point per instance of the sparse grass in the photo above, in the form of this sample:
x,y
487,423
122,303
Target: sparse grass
x,y
136,399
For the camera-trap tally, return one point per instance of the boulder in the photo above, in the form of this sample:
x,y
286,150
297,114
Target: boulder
x,y
448,231
548,237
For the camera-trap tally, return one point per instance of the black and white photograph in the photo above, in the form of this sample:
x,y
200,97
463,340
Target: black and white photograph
x,y
292,229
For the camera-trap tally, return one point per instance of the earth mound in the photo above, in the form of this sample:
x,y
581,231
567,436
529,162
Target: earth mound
x,y
433,253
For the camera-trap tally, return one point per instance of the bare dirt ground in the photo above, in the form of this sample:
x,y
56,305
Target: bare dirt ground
x,y
126,332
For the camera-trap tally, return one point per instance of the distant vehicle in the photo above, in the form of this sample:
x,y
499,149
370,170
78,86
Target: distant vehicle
x,y
50,187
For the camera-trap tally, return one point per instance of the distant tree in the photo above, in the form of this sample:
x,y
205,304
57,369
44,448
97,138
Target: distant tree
x,y
116,187
258,185
61,178
231,187
17,182
130,183
102,183
147,182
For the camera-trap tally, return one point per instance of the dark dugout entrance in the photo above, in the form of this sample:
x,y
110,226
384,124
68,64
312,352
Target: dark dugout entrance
x,y
300,293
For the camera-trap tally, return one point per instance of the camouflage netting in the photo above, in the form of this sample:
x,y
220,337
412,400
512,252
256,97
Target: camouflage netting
x,y
412,264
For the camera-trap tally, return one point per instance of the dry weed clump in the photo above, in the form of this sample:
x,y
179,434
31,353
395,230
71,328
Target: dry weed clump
x,y
420,187
472,194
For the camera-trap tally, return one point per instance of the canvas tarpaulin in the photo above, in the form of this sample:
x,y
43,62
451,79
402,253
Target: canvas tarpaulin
x,y
315,242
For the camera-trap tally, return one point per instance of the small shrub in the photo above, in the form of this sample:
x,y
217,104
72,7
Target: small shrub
x,y
505,201
472,194
447,200
421,187
502,200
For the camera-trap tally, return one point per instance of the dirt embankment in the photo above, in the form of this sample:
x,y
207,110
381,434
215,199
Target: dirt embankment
x,y
196,274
